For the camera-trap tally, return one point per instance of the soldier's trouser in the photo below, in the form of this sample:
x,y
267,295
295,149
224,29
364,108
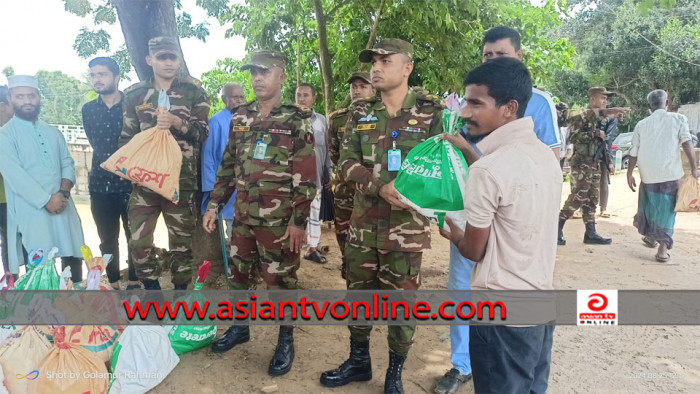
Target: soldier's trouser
x,y
378,269
343,198
144,208
260,251
584,194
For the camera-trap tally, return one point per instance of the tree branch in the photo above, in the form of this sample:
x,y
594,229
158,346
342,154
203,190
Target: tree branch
x,y
668,53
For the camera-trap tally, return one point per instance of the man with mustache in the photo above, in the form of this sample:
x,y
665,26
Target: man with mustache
x,y
187,120
109,194
360,87
271,162
39,174
386,238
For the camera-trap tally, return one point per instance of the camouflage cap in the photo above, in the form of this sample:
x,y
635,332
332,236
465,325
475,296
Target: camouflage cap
x,y
360,75
265,59
599,90
158,45
389,46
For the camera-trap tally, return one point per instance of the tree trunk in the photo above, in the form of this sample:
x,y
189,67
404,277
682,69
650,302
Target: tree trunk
x,y
142,20
326,71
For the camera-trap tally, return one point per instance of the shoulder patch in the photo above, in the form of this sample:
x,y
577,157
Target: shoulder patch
x,y
338,113
304,112
431,99
192,81
135,87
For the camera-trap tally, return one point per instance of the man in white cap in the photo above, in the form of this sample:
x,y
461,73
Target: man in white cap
x,y
39,174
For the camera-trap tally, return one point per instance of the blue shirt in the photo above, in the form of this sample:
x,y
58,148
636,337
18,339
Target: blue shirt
x,y
544,115
212,153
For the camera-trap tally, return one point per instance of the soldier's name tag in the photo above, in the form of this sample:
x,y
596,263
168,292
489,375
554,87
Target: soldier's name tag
x,y
280,131
366,126
412,129
260,150
239,129
394,159
341,130
144,106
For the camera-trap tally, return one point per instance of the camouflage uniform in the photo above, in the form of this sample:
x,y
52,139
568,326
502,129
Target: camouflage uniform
x,y
273,193
585,175
385,243
343,192
189,102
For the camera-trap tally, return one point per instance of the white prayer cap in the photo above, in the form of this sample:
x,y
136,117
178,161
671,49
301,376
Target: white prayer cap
x,y
28,81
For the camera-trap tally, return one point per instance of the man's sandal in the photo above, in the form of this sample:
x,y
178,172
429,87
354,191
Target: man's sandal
x,y
663,259
649,243
316,257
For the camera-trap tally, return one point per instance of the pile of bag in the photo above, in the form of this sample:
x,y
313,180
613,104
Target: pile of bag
x,y
433,177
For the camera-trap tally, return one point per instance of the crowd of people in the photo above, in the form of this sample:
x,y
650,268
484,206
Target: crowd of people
x,y
262,166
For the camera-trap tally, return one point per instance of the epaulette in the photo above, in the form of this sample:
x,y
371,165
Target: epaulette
x,y
304,112
365,101
135,87
431,98
338,113
193,81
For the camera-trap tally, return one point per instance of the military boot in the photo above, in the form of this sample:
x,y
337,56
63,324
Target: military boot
x,y
560,237
392,381
232,337
357,368
283,358
593,238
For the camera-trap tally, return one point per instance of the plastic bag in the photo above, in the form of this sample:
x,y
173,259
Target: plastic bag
x,y
433,177
187,338
141,359
152,159
20,356
3,389
41,273
688,199
70,368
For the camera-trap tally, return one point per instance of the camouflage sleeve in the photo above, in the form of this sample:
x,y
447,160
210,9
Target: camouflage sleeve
x,y
130,124
582,125
225,183
351,163
196,128
334,139
303,174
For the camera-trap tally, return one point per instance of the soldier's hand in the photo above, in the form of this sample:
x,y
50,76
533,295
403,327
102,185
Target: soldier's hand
x,y
611,169
209,221
617,112
631,182
166,120
297,237
391,195
601,134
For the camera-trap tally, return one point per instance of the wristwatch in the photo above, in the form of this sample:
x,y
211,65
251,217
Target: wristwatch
x,y
65,193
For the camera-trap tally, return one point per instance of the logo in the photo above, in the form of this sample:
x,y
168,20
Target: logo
x,y
596,308
31,376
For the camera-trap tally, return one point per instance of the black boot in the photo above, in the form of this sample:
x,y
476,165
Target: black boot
x,y
283,358
232,337
392,382
560,237
181,287
593,238
151,284
357,368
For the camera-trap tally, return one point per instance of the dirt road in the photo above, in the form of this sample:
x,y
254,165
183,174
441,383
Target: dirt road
x,y
610,359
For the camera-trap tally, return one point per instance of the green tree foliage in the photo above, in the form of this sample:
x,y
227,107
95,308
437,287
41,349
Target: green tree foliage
x,y
633,47
62,97
446,36
226,71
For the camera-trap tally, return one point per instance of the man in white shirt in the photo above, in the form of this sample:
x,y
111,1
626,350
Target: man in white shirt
x,y
512,202
655,149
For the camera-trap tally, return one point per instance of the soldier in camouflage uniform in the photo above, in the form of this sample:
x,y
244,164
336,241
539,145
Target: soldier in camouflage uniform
x,y
360,87
271,162
586,134
188,123
386,239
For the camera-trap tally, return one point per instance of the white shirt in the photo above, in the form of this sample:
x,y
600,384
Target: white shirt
x,y
515,189
656,143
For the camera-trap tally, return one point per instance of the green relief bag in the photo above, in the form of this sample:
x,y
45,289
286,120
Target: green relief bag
x,y
186,338
433,177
